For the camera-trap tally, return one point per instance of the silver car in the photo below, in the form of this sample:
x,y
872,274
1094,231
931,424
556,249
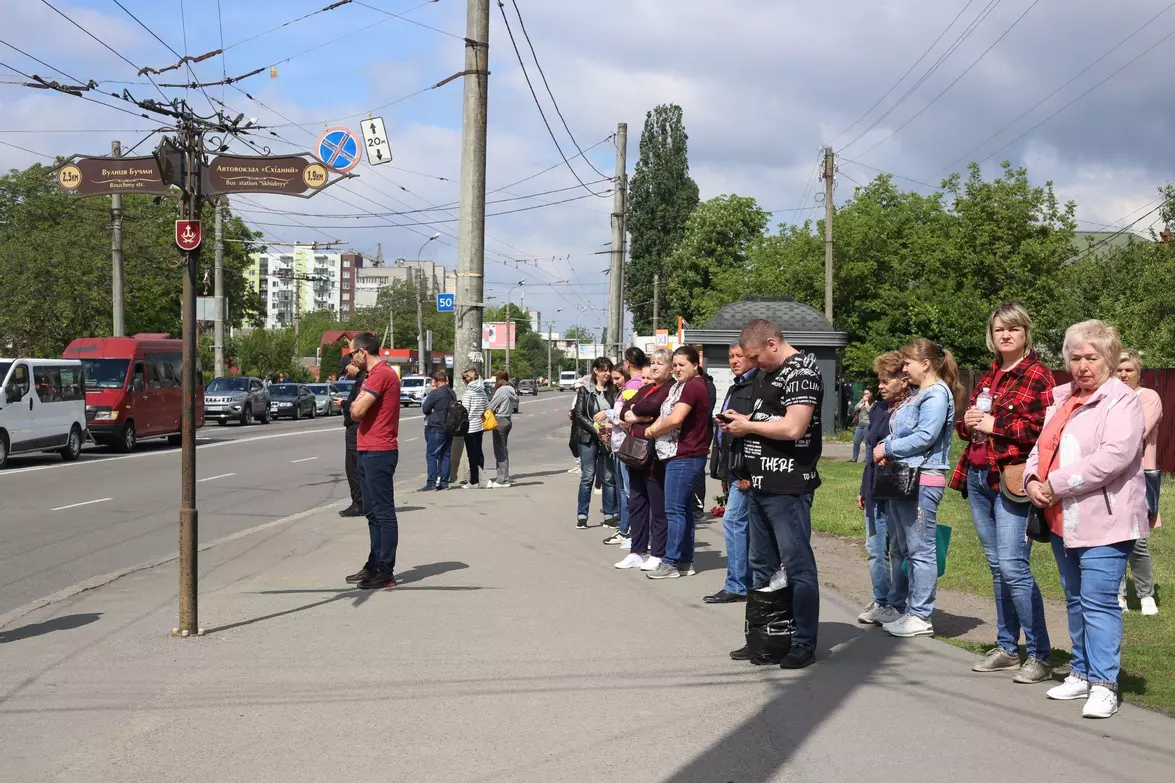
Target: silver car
x,y
243,400
324,398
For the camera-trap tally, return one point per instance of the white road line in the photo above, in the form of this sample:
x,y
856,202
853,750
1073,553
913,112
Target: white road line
x,y
214,478
411,439
304,459
75,505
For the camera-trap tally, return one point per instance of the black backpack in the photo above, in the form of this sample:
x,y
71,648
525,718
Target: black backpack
x,y
456,417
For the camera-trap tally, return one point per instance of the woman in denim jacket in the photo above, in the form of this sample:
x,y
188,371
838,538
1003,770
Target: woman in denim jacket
x,y
920,437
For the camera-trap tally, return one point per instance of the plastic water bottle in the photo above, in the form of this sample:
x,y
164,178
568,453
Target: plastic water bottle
x,y
983,402
778,581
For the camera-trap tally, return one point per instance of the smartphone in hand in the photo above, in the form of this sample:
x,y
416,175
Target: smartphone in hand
x,y
722,417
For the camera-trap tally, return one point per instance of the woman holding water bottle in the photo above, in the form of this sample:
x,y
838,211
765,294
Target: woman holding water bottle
x,y
1001,425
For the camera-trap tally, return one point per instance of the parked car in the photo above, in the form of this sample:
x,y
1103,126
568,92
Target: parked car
x,y
567,380
344,387
293,400
324,399
243,400
528,387
133,388
490,383
413,389
42,407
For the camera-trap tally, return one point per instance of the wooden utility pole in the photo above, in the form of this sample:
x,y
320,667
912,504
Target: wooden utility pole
x,y
471,228
829,174
119,329
616,274
656,299
218,289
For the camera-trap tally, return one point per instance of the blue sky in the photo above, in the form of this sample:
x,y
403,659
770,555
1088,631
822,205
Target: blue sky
x,y
763,84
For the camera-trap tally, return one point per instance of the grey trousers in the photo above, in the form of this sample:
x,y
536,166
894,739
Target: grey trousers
x,y
1143,570
501,452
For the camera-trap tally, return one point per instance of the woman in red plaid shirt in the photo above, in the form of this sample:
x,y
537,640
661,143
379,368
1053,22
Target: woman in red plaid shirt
x,y
998,444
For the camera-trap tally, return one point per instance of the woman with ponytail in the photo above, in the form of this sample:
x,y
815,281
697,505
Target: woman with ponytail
x,y
920,437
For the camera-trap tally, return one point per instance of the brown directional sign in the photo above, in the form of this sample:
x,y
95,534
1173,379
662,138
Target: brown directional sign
x,y
292,175
104,176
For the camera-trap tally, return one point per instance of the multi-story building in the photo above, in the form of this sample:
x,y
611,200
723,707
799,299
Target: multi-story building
x,y
370,279
300,281
350,264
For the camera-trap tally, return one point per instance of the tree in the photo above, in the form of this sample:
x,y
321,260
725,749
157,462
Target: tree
x,y
661,197
579,333
332,357
717,236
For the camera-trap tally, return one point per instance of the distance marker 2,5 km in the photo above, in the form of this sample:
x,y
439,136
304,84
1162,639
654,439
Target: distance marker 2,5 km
x,y
340,149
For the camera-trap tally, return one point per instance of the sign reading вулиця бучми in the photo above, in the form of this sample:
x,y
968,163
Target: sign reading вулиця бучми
x,y
106,176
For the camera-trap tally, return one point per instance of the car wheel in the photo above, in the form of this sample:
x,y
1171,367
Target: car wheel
x,y
222,422
298,412
73,446
175,440
266,416
314,411
127,439
247,416
3,451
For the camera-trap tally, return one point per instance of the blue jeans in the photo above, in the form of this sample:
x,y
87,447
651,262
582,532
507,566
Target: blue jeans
x,y
438,450
620,472
1090,577
1001,526
377,473
680,476
890,587
593,457
913,524
734,530
858,436
780,534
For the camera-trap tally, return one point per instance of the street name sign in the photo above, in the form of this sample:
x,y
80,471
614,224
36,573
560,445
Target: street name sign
x,y
375,137
291,175
101,176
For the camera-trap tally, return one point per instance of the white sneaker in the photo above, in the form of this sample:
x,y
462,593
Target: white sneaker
x,y
573,470
887,614
1149,607
631,561
869,614
909,625
626,544
1102,703
651,564
1122,603
1072,688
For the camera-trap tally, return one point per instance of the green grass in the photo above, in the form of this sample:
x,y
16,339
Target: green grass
x,y
1148,664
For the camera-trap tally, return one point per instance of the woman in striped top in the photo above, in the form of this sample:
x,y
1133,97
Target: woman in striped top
x,y
476,402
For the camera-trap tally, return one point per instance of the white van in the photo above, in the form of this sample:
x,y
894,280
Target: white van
x,y
42,407
567,380
413,389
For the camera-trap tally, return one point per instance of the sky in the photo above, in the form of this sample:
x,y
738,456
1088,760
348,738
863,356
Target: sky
x,y
1075,90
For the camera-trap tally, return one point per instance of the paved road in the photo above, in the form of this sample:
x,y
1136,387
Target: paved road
x,y
64,523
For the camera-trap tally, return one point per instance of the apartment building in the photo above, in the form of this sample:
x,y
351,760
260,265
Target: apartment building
x,y
299,280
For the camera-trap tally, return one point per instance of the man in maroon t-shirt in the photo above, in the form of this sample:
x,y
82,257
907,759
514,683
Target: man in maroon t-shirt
x,y
377,409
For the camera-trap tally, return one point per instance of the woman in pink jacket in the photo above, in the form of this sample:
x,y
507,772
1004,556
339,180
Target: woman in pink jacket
x,y
1085,472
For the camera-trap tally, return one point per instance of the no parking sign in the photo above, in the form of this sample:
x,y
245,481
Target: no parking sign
x,y
340,149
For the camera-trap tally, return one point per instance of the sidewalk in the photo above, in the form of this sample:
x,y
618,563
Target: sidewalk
x,y
512,651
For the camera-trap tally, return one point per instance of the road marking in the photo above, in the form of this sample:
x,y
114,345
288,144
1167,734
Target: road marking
x,y
75,505
411,439
304,459
214,478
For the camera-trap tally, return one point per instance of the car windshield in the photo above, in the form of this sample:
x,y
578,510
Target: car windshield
x,y
344,385
412,383
319,388
105,373
283,390
228,385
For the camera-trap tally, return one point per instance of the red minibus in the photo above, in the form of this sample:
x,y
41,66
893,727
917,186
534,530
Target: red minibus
x,y
133,388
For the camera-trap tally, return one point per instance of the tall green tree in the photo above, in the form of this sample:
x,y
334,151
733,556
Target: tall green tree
x,y
661,197
717,236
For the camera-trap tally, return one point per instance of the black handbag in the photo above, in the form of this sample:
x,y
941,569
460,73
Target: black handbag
x,y
894,481
1037,528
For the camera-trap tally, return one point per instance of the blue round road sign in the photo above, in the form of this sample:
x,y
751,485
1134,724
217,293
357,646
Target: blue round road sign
x,y
339,149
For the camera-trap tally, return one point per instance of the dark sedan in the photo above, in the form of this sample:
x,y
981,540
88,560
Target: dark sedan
x,y
528,387
293,400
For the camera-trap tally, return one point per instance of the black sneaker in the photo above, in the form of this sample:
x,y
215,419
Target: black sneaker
x,y
581,523
442,486
427,488
741,654
352,511
378,580
360,575
798,657
612,520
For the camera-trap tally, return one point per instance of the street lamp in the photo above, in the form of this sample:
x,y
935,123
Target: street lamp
x,y
510,320
422,366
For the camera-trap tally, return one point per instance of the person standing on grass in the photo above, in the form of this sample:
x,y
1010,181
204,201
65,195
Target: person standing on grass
x,y
861,418
782,442
998,445
1085,473
502,404
890,586
475,401
377,409
920,437
594,455
438,444
740,397
682,436
1141,565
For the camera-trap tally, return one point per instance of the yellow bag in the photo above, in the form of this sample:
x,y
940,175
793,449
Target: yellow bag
x,y
489,421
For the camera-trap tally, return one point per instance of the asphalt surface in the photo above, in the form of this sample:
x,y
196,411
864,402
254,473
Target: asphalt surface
x,y
64,523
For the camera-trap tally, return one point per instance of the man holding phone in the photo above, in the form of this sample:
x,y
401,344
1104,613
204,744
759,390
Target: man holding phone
x,y
740,397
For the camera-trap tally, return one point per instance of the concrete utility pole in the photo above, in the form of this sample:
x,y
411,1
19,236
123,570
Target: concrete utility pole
x,y
116,252
656,299
616,275
471,230
549,326
510,318
421,364
218,283
189,516
829,173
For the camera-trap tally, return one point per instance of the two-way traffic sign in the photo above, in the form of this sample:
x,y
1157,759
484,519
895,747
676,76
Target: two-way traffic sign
x,y
444,303
375,137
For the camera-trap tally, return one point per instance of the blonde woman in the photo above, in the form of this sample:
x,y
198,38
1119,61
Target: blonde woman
x,y
475,401
1130,373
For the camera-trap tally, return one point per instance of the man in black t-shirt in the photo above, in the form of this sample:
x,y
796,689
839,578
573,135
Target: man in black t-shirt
x,y
782,443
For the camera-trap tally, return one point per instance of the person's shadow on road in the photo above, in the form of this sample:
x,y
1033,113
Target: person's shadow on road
x,y
63,623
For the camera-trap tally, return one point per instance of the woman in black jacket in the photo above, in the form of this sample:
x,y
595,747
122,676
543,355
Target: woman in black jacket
x,y
890,586
594,454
